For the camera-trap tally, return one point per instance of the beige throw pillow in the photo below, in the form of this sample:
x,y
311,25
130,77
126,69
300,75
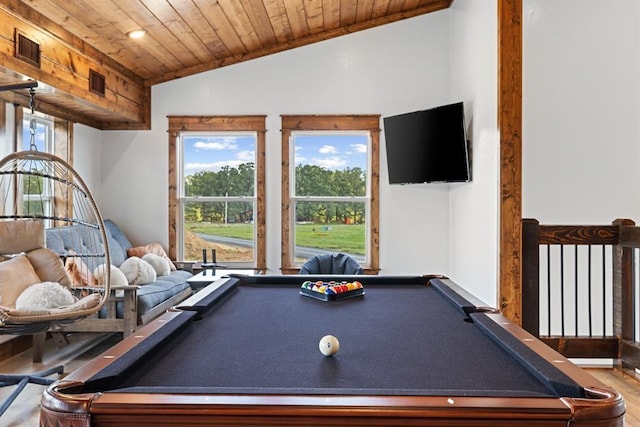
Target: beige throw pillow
x,y
48,266
16,275
21,236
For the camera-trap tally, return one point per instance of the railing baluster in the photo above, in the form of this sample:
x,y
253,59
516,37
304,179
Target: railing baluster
x,y
604,291
548,290
562,289
606,295
575,299
589,284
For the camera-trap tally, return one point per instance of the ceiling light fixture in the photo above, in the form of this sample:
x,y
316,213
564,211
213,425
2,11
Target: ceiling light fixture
x,y
136,34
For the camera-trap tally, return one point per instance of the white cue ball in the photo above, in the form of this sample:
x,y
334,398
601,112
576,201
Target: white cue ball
x,y
329,345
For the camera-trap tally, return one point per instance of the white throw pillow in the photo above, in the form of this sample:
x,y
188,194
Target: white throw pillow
x,y
137,271
44,296
159,264
117,277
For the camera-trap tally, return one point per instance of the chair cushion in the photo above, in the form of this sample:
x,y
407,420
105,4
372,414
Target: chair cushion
x,y
44,296
331,264
21,236
48,266
16,275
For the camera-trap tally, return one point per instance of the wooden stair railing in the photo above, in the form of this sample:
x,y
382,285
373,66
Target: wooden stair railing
x,y
620,240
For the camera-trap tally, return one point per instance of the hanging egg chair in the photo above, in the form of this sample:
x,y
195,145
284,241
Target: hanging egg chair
x,y
40,288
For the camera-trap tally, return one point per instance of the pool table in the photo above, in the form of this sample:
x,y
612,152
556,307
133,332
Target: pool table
x,y
414,350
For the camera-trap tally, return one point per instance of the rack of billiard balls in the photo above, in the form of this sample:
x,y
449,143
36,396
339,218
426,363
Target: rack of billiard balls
x,y
331,291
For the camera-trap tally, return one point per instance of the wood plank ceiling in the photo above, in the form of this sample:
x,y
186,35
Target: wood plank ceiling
x,y
183,37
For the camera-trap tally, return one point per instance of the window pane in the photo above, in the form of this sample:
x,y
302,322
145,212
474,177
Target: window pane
x,y
42,136
330,164
35,207
327,227
219,165
37,198
226,227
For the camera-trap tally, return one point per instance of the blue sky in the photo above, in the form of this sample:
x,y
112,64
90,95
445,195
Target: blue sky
x,y
211,153
330,151
39,136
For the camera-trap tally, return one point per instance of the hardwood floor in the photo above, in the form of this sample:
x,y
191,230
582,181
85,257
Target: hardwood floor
x,y
626,383
25,410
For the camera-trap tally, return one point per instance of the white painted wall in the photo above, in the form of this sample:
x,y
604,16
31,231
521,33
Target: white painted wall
x,y
388,70
581,109
473,207
6,137
87,150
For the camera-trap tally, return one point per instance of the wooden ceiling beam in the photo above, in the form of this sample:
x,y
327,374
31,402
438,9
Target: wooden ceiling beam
x,y
64,73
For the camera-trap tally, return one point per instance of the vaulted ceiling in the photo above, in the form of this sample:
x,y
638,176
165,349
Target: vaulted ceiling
x,y
76,38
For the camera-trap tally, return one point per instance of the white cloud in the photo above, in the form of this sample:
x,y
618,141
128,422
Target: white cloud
x,y
220,143
191,168
330,162
246,156
359,148
328,149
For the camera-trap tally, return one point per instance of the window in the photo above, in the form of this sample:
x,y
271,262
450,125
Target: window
x,y
50,136
43,133
330,188
216,199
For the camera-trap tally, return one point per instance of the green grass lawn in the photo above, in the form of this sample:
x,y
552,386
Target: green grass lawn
x,y
339,237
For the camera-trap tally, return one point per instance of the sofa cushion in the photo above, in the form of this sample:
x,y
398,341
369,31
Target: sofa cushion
x,y
16,275
155,293
80,240
161,290
118,243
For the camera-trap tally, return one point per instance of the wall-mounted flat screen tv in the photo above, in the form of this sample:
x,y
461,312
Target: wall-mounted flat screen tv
x,y
428,146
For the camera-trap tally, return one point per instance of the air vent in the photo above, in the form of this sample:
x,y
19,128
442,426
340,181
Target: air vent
x,y
27,50
97,83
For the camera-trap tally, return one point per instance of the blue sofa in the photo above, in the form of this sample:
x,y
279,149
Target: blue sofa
x,y
128,306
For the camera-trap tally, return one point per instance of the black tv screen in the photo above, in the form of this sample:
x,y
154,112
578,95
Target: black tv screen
x,y
427,146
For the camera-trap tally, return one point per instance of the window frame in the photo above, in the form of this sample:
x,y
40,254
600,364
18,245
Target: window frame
x,y
331,123
60,144
217,124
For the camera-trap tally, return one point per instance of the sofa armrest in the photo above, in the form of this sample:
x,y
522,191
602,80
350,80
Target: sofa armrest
x,y
185,265
128,295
